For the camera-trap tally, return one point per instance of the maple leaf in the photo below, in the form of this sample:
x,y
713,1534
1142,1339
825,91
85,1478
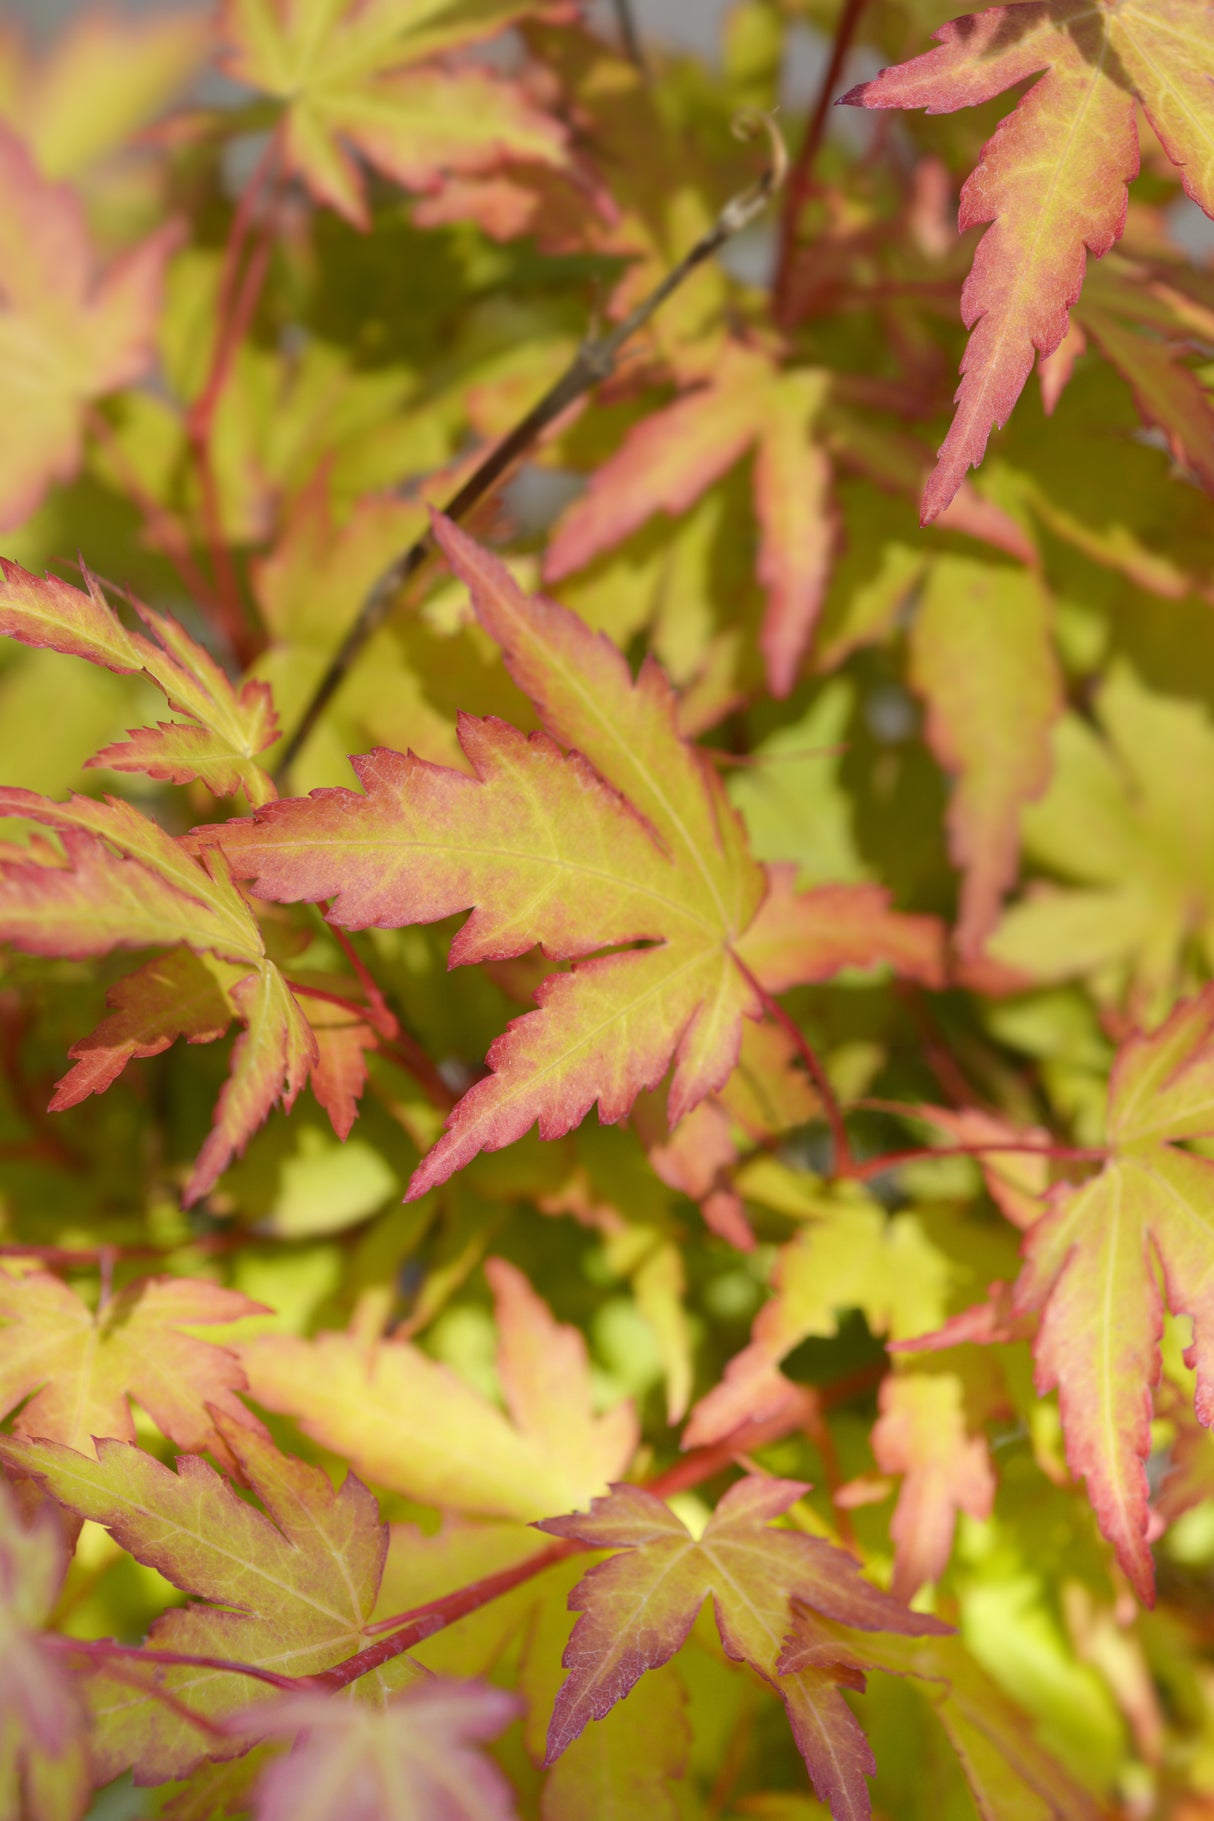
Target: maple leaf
x,y
1053,179
128,884
638,1607
1011,1776
99,78
78,1367
1089,1271
413,1756
922,1433
360,79
227,727
1125,819
982,657
44,1764
409,1424
847,1255
797,423
68,333
290,1587
628,839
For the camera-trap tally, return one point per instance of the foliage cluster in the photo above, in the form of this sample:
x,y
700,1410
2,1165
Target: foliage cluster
x,y
384,1437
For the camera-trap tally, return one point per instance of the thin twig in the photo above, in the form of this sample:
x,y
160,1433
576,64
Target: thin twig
x,y
630,37
594,362
800,177
176,1659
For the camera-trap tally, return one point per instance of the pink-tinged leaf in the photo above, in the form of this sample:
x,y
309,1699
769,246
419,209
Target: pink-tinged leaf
x,y
1054,370
68,334
98,902
545,1377
271,1061
44,1760
353,81
178,994
43,611
799,937
798,523
814,1669
921,1432
1090,1271
628,839
666,462
410,1425
310,1563
982,656
1053,181
228,728
339,1073
696,1158
413,1756
79,1367
638,1607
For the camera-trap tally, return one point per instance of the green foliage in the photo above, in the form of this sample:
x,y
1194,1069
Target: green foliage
x,y
824,1428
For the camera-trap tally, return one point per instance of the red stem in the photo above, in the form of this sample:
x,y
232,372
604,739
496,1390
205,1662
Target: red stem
x,y
875,1166
844,1165
173,1659
800,178
384,1019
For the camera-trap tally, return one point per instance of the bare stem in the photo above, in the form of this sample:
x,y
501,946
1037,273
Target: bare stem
x,y
594,362
630,37
801,176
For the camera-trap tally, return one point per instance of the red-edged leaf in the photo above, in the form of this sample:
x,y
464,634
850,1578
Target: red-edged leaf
x,y
309,1565
983,657
921,1432
1090,1270
638,1607
352,80
811,935
78,1367
45,1772
1053,178
68,333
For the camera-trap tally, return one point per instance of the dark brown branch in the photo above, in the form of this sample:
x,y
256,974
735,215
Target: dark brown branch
x,y
630,38
594,362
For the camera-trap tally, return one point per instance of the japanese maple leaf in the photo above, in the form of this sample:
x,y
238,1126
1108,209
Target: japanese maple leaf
x,y
290,1587
1126,828
982,656
128,884
638,1607
44,1762
68,332
796,421
414,1756
629,839
227,727
82,94
360,78
411,1425
922,1432
1053,179
79,1367
1090,1271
